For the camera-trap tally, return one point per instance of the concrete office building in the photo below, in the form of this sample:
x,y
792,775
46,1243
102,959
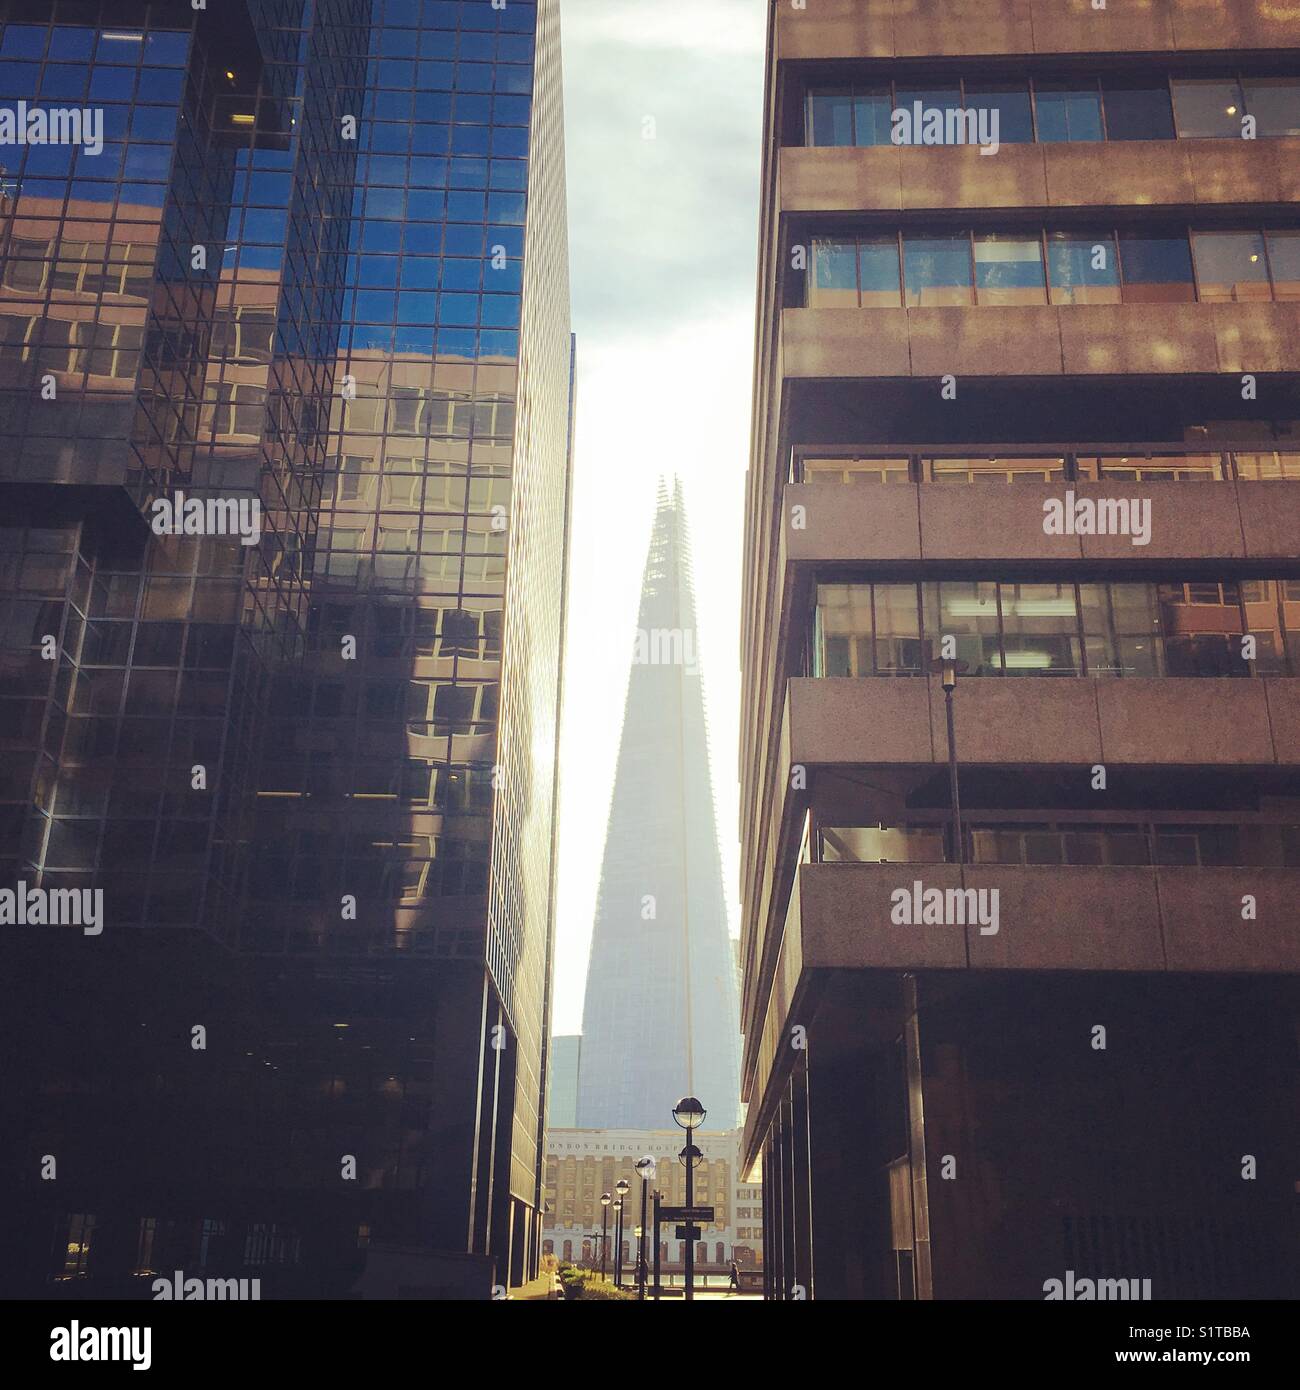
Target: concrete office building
x,y
318,262
1029,404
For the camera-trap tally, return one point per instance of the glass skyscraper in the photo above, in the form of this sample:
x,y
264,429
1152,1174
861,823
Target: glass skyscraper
x,y
660,1017
318,262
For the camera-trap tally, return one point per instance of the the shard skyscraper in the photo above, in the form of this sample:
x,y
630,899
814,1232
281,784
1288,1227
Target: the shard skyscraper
x,y
660,1017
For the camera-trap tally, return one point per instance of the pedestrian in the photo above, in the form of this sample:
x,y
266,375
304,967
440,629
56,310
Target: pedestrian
x,y
735,1276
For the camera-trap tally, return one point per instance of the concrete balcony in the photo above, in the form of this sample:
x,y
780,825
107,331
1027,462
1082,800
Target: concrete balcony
x,y
1054,918
917,28
1041,340
1157,173
1033,721
868,525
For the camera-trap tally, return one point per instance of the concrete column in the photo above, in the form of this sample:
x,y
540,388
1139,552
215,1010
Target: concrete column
x,y
801,1198
916,1139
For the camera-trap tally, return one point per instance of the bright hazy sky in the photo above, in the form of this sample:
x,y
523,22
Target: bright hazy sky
x,y
663,104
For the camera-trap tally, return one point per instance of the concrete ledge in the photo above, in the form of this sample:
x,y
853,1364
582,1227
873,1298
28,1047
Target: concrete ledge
x,y
985,341
1043,721
1067,917
915,28
1136,173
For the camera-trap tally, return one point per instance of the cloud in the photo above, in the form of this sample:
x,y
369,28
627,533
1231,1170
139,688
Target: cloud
x,y
663,104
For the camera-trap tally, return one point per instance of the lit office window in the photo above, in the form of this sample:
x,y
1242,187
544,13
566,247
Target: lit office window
x,y
1275,104
1009,269
1231,266
1208,106
1284,263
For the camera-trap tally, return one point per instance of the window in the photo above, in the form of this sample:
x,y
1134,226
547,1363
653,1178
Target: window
x,y
850,115
993,470
943,98
855,471
834,282
1201,625
1156,268
1275,104
830,116
967,611
1010,100
1157,468
1231,266
1040,630
882,844
1068,109
872,109
1208,106
1267,465
1083,268
1284,262
878,272
897,646
1137,109
937,270
1008,270
76,1252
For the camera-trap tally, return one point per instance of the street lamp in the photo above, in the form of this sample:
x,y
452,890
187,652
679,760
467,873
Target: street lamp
x,y
949,668
605,1200
621,1187
689,1114
646,1168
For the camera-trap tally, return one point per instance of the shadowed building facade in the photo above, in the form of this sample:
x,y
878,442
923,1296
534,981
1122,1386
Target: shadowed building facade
x,y
659,1020
1033,408
320,262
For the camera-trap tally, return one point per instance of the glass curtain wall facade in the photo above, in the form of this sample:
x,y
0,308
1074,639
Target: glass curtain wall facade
x,y
293,275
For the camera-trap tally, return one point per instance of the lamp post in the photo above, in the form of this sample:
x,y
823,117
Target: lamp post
x,y
605,1200
646,1168
621,1187
949,668
689,1114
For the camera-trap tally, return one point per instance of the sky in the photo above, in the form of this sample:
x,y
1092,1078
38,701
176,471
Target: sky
x,y
663,108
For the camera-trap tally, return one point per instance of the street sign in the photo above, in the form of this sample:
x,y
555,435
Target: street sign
x,y
686,1214
688,1232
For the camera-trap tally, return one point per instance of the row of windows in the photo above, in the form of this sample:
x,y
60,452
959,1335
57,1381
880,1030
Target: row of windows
x,y
116,160
439,74
318,879
496,345
1071,108
1149,466
82,267
139,122
426,307
1187,845
21,80
467,15
1041,266
163,47
87,240
1032,629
